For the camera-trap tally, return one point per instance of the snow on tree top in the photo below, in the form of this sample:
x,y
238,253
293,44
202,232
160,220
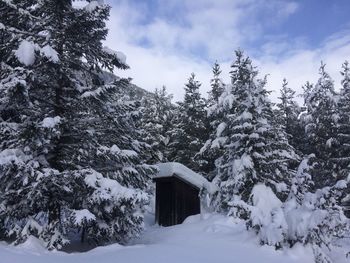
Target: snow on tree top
x,y
88,6
179,170
120,55
93,5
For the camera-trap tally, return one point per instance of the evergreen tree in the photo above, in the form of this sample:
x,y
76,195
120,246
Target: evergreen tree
x,y
342,159
288,111
157,121
211,150
190,131
256,150
217,86
320,128
304,118
343,124
70,161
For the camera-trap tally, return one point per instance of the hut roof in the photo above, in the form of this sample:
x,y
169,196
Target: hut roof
x,y
173,169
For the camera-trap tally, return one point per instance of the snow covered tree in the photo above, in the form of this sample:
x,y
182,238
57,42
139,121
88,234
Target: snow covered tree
x,y
190,131
307,217
256,151
216,84
157,122
315,217
343,125
302,183
69,158
288,112
210,151
320,128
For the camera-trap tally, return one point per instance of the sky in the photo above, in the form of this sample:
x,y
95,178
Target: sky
x,y
166,40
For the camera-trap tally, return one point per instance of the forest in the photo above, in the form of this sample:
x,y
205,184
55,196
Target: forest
x,y
79,145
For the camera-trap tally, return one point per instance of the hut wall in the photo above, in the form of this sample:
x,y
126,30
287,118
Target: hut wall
x,y
165,203
186,201
175,200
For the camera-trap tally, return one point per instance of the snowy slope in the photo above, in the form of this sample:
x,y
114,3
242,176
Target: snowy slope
x,y
206,239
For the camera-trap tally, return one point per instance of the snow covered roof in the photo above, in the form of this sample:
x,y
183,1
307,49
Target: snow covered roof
x,y
186,174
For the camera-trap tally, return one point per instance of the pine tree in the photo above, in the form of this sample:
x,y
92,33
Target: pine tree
x,y
302,183
71,160
157,121
256,150
190,131
320,128
342,159
217,86
304,119
288,111
211,151
343,124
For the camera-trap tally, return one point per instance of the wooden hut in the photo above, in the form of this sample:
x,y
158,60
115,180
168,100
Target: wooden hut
x,y
177,193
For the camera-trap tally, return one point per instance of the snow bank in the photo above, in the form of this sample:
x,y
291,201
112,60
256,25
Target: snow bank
x,y
33,245
215,238
177,169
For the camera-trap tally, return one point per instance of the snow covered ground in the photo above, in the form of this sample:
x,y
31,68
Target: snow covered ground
x,y
204,239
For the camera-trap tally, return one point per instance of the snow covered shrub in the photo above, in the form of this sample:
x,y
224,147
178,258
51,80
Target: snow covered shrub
x,y
53,236
97,208
309,218
31,201
314,217
108,211
267,217
317,218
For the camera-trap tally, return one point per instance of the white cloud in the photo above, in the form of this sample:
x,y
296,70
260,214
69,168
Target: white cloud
x,y
301,65
151,69
164,51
